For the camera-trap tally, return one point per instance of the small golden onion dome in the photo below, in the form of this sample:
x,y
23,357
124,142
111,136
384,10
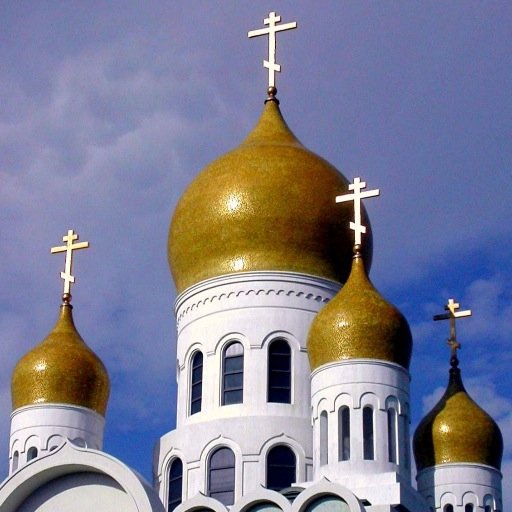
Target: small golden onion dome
x,y
457,430
61,369
269,204
359,324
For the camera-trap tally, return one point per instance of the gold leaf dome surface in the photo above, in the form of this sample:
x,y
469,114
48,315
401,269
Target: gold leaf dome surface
x,y
359,324
269,204
61,369
457,429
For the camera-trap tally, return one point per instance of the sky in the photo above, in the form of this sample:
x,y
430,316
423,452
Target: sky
x,y
109,109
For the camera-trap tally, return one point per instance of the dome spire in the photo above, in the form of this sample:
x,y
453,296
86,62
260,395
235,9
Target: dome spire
x,y
271,63
452,314
68,267
357,186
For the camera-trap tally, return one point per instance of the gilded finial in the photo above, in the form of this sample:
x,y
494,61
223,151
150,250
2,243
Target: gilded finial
x,y
68,267
452,314
356,197
271,64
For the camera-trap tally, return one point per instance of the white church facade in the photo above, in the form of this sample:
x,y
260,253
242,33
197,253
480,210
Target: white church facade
x,y
292,370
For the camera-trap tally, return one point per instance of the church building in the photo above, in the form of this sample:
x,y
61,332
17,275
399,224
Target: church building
x,y
292,369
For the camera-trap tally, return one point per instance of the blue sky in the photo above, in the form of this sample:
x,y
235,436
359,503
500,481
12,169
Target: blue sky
x,y
109,109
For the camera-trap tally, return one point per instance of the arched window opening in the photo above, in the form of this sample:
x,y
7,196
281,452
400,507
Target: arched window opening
x,y
175,484
15,460
279,372
448,508
196,383
221,476
392,436
469,507
281,468
344,433
324,440
32,453
488,503
233,374
368,442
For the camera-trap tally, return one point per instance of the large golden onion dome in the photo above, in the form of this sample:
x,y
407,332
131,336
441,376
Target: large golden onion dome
x,y
457,430
359,324
61,369
269,204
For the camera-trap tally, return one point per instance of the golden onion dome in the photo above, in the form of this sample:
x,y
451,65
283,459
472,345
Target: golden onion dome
x,y
457,430
61,369
269,204
359,324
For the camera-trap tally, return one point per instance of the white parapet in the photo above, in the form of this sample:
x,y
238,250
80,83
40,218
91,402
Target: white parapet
x,y
39,429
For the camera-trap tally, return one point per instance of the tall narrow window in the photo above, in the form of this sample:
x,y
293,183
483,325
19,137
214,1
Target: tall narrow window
x,y
344,433
175,484
392,433
324,440
32,453
281,468
368,447
196,383
448,508
221,476
233,374
488,503
15,461
469,507
279,372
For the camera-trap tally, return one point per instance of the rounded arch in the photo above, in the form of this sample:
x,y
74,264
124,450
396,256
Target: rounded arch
x,y
326,488
16,446
344,400
201,503
470,498
229,338
368,398
321,405
261,496
392,402
447,499
54,442
191,349
283,335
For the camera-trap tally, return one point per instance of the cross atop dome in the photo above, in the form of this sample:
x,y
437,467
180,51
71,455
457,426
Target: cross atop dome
x,y
272,29
68,249
357,196
453,313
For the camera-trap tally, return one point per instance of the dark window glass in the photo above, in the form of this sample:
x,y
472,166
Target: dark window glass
x,y
344,433
279,372
368,448
31,454
324,438
196,383
233,374
281,468
468,507
221,476
15,461
175,484
448,508
392,439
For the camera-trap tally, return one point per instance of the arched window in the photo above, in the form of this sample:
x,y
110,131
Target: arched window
x,y
15,461
488,503
448,508
281,468
368,447
233,374
324,439
279,372
469,507
343,433
196,383
32,453
221,476
175,484
392,436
